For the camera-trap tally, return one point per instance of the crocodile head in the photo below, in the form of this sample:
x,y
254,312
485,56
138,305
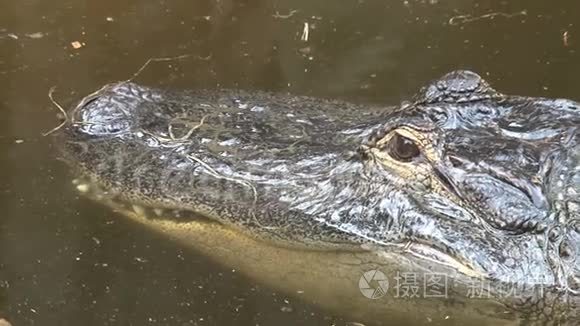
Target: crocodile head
x,y
492,181
462,178
489,180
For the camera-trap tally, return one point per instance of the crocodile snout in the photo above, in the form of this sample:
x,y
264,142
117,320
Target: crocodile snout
x,y
108,111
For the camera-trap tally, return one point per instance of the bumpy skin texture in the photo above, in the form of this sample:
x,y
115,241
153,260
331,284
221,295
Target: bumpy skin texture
x,y
495,187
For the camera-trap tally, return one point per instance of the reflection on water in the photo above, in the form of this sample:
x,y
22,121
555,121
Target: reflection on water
x,y
66,260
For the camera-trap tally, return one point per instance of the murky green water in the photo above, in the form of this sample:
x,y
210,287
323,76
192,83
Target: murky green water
x,y
65,260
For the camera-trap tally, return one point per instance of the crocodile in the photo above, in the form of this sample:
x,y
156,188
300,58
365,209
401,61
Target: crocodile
x,y
463,199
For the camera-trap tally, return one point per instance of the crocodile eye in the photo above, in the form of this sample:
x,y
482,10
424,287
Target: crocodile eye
x,y
403,148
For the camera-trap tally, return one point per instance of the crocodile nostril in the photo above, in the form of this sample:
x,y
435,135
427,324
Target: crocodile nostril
x,y
101,115
455,162
88,102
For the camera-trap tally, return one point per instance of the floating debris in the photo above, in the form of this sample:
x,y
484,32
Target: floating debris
x,y
305,32
13,36
140,260
306,50
109,19
62,112
287,307
19,141
76,45
566,38
280,16
36,35
464,19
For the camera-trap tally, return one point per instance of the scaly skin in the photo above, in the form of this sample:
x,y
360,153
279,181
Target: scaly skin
x,y
462,179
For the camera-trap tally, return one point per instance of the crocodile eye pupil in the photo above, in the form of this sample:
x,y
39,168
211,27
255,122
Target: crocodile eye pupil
x,y
403,148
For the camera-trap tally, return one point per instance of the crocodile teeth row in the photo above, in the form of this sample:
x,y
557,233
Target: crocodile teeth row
x,y
160,213
92,190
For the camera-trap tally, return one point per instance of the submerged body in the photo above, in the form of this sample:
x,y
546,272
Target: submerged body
x,y
463,182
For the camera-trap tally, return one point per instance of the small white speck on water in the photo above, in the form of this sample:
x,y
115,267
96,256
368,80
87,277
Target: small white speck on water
x,y
286,309
36,35
19,141
140,260
305,32
76,45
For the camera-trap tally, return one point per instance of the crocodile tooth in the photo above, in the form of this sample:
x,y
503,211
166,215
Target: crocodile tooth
x,y
158,211
83,187
139,210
